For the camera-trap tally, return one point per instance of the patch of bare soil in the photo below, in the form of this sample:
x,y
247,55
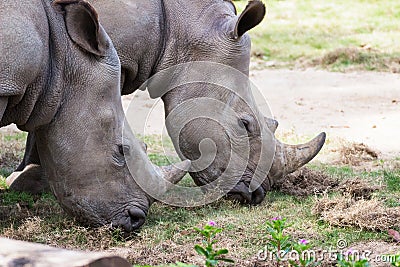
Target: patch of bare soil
x,y
366,214
356,153
305,182
139,252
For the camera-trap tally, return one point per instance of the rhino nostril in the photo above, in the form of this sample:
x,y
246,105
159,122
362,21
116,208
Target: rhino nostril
x,y
137,217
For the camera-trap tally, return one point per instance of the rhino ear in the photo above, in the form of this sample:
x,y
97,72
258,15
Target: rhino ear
x,y
251,16
83,26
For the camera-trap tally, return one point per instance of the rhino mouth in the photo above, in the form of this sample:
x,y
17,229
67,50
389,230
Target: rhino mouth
x,y
128,218
241,194
132,219
241,191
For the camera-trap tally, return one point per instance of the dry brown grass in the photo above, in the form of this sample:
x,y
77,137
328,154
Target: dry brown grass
x,y
44,221
63,233
358,188
355,153
305,182
357,58
365,214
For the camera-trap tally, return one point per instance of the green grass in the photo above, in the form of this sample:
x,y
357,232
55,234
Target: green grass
x,y
391,196
392,180
18,136
12,198
3,184
301,32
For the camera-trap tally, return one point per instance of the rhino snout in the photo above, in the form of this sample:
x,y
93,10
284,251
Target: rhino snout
x,y
132,220
138,217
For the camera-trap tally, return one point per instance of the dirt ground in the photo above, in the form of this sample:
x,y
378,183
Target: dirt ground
x,y
361,107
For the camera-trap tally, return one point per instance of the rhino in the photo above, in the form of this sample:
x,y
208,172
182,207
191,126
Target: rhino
x,y
153,35
60,81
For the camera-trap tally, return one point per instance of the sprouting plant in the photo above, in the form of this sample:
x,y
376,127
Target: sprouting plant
x,y
304,259
279,243
212,255
349,259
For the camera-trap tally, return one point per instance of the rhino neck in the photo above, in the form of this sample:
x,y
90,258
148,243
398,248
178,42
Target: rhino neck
x,y
138,35
36,103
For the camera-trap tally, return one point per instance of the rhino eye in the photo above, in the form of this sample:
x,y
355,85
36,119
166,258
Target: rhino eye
x,y
119,155
245,124
121,149
124,150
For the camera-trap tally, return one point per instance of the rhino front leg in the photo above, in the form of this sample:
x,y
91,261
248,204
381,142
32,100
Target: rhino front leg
x,y
30,180
31,155
29,176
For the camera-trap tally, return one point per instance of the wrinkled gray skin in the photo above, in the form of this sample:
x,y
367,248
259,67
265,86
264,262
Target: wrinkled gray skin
x,y
60,80
152,35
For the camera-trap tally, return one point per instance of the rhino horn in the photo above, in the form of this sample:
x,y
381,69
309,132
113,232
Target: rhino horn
x,y
174,173
289,158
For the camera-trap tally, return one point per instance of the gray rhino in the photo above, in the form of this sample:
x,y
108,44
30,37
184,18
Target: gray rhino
x,y
153,35
60,80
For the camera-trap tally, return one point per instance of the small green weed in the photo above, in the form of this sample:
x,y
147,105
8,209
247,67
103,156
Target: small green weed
x,y
213,256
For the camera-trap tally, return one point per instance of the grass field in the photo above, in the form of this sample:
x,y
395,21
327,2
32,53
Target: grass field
x,y
168,234
338,35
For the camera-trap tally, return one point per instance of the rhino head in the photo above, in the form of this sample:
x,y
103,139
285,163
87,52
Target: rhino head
x,y
65,89
237,141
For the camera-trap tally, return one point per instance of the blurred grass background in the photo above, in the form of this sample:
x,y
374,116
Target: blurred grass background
x,y
337,35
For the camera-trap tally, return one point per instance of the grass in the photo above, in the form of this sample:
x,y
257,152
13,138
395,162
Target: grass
x,y
338,35
11,153
168,234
